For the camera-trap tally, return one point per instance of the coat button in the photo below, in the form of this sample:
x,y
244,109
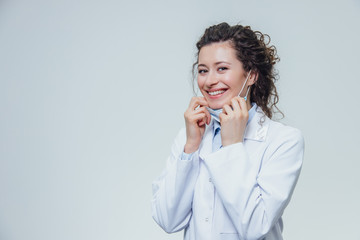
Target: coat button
x,y
206,219
209,179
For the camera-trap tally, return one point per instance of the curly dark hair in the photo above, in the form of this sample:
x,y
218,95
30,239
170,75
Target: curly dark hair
x,y
255,54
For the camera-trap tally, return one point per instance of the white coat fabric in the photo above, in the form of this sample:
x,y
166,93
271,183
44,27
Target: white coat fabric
x,y
237,192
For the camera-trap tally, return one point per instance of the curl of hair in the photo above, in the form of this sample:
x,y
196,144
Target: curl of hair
x,y
253,50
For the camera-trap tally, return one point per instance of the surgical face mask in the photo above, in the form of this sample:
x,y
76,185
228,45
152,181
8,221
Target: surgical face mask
x,y
216,112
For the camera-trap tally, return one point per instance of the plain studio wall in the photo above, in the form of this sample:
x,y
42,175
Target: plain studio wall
x,y
92,94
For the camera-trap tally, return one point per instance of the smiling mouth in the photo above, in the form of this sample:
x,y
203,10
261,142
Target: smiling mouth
x,y
215,93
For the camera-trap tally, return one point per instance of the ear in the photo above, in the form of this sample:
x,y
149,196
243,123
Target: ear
x,y
253,77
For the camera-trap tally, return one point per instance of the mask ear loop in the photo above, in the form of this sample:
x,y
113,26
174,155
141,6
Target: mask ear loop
x,y
247,77
247,93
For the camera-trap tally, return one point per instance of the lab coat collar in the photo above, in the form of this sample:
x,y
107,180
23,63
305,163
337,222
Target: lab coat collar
x,y
255,131
257,128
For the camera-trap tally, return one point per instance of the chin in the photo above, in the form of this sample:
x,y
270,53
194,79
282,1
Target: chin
x,y
216,105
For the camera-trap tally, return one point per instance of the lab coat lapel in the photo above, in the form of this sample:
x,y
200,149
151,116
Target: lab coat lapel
x,y
255,130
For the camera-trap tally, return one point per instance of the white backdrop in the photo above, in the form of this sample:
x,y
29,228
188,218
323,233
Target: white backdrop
x,y
92,94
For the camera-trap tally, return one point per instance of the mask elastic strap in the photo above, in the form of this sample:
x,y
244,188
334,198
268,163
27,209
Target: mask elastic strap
x,y
247,77
247,93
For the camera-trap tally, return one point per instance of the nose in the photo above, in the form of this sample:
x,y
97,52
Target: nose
x,y
212,78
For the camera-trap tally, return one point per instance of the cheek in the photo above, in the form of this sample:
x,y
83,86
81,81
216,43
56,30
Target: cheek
x,y
233,81
229,80
200,82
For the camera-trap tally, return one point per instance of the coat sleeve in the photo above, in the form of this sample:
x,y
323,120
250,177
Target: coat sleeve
x,y
255,193
173,190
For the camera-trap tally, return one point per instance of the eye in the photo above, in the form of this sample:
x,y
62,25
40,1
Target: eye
x,y
221,69
202,71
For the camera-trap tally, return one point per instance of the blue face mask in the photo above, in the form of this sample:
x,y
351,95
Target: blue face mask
x,y
216,112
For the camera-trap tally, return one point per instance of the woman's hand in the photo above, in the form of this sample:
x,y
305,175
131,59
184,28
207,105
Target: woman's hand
x,y
233,121
196,116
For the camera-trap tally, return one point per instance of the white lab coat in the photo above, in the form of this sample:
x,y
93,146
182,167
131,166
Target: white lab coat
x,y
237,192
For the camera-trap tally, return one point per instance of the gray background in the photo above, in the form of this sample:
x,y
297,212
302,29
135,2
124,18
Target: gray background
x,y
92,94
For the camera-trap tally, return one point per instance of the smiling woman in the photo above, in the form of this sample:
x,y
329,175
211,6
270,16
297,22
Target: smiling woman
x,y
250,50
232,170
221,74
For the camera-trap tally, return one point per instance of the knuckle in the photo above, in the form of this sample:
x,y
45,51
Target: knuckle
x,y
243,117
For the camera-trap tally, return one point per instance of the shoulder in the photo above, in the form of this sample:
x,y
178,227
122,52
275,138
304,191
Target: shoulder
x,y
283,144
286,142
279,132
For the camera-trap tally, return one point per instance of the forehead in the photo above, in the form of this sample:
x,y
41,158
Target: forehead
x,y
217,52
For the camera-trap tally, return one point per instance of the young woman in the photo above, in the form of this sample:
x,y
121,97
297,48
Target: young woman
x,y
232,170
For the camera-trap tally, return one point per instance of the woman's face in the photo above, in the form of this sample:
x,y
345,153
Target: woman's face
x,y
220,74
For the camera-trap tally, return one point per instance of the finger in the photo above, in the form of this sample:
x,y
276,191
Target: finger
x,y
243,105
204,110
197,101
202,102
198,117
208,116
193,101
200,109
227,109
235,104
201,123
203,99
222,116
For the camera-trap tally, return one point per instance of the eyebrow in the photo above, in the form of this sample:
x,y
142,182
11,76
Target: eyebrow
x,y
217,63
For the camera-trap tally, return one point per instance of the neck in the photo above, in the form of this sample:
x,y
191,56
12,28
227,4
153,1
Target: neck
x,y
248,104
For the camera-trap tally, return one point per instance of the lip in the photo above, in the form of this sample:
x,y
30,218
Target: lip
x,y
216,96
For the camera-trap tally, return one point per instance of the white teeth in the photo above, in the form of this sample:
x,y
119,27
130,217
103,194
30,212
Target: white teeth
x,y
216,92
